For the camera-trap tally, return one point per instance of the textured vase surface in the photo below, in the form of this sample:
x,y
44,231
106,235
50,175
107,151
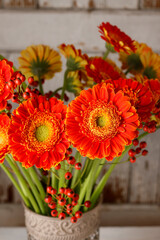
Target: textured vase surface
x,y
48,228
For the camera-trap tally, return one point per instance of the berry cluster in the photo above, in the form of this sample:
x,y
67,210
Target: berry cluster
x,y
63,203
150,127
139,149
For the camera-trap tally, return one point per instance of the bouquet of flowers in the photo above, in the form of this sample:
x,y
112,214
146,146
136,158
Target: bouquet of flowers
x,y
54,153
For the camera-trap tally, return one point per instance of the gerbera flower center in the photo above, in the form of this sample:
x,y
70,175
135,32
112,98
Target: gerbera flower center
x,y
42,133
102,121
2,83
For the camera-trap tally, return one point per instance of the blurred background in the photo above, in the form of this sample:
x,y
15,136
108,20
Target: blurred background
x,y
132,195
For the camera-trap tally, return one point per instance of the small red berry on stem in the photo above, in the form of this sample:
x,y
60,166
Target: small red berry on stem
x,y
68,175
69,211
58,166
78,166
143,144
74,203
144,152
78,214
48,199
49,188
54,213
30,80
135,142
73,219
70,193
69,151
62,201
131,152
69,206
138,150
62,190
87,204
71,160
62,216
52,205
53,191
132,159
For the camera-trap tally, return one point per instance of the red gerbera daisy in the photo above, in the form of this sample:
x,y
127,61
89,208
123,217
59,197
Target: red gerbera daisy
x,y
100,122
154,87
113,35
6,72
36,133
4,124
100,70
139,96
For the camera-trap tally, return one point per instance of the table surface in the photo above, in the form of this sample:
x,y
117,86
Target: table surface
x,y
106,233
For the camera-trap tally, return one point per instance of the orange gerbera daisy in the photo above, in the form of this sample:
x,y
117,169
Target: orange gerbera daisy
x,y
113,35
101,122
101,70
78,78
132,60
139,96
36,133
4,124
6,72
40,61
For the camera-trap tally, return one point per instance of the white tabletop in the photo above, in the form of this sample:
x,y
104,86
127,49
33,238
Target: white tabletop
x,y
106,233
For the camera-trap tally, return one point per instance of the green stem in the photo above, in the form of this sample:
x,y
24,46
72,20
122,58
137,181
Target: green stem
x,y
87,186
40,85
64,83
25,199
33,188
61,175
52,95
102,183
54,180
37,182
106,54
23,184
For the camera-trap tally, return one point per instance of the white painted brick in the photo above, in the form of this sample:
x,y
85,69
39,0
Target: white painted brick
x,y
55,3
79,28
122,4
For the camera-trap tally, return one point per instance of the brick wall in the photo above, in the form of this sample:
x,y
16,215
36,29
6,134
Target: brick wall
x,y
52,22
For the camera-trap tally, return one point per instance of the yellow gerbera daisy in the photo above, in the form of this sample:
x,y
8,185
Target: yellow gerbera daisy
x,y
40,61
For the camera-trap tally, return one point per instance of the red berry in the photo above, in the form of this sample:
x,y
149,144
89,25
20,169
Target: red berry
x,y
28,89
48,199
62,216
11,84
53,191
87,204
69,151
71,160
78,166
57,95
66,190
58,166
131,152
62,201
135,142
69,206
14,99
73,219
75,197
68,175
145,128
132,159
9,106
18,81
26,95
49,188
70,193
66,98
138,150
54,213
69,211
59,196
143,144
62,190
74,203
78,214
144,152
52,205
22,77
30,80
